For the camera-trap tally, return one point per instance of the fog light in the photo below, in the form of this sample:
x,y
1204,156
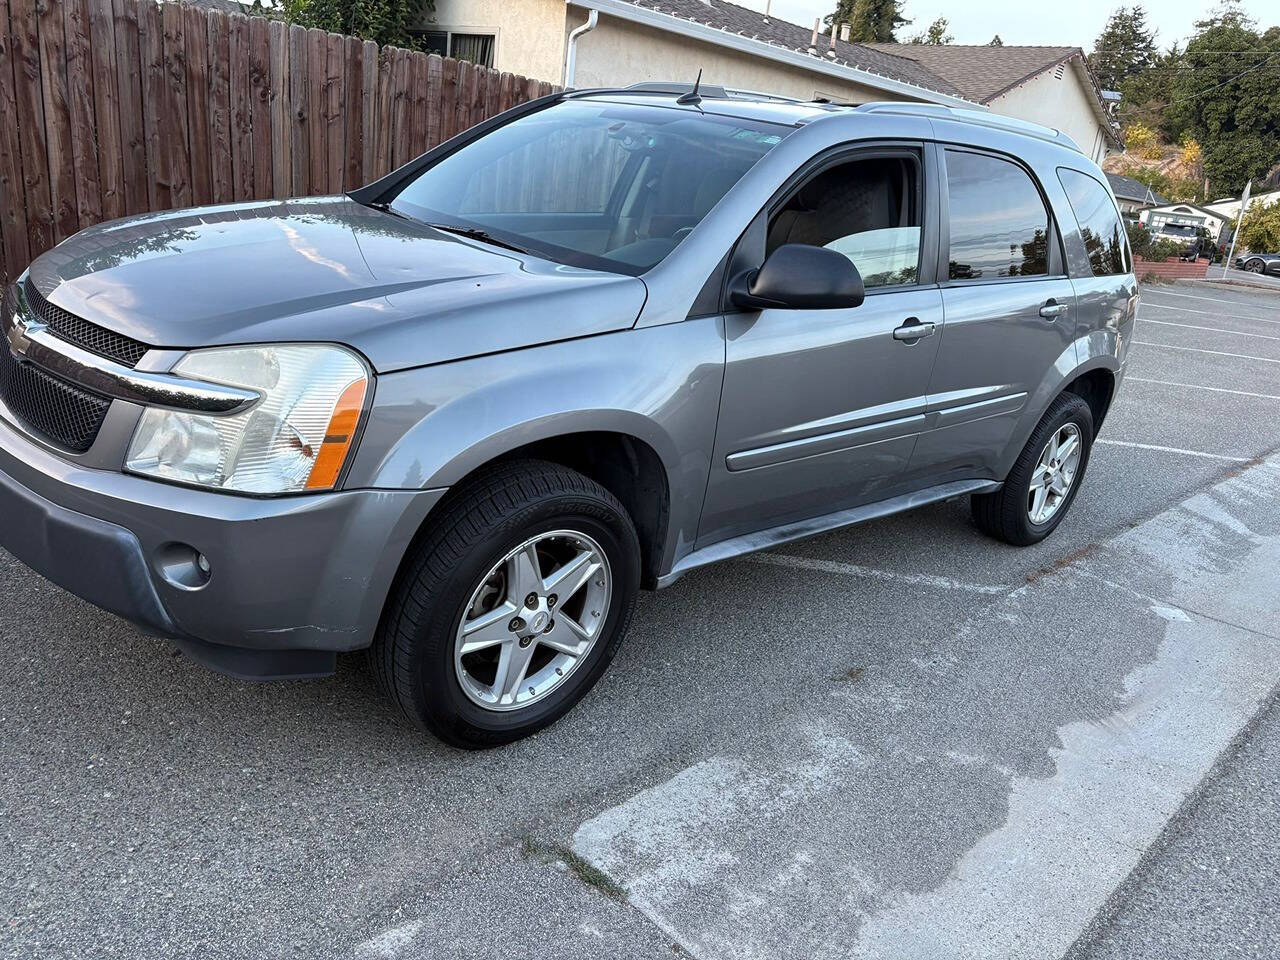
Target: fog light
x,y
183,566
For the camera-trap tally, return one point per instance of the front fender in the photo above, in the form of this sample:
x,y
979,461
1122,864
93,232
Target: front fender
x,y
432,426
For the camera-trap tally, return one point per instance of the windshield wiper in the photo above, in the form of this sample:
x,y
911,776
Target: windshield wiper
x,y
475,233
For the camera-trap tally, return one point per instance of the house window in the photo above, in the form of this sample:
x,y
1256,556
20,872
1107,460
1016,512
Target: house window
x,y
461,45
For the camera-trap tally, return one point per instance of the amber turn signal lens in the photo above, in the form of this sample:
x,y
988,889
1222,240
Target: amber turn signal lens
x,y
338,438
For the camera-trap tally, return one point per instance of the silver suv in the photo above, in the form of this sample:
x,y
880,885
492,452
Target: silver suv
x,y
460,416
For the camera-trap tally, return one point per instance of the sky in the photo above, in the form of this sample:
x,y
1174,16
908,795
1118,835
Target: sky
x,y
1074,23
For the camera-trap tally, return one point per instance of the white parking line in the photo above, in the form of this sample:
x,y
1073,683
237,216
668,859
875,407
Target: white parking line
x,y
1148,305
857,570
1193,326
1197,386
1216,353
1189,296
1177,450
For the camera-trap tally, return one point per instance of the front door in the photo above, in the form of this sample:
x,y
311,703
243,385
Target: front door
x,y
821,408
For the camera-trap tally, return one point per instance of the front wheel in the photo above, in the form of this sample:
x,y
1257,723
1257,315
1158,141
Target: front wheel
x,y
1045,478
1254,266
511,607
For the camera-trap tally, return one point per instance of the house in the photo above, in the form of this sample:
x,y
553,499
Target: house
x,y
1052,86
1133,195
621,42
1229,207
1181,221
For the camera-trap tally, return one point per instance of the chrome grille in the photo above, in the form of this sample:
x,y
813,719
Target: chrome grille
x,y
90,336
50,406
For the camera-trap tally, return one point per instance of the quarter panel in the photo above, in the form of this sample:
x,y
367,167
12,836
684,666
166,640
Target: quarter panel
x,y
431,427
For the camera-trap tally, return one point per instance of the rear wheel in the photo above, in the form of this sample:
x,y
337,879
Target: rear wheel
x,y
1045,478
511,607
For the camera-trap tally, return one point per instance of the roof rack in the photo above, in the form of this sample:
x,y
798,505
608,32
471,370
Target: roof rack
x,y
993,120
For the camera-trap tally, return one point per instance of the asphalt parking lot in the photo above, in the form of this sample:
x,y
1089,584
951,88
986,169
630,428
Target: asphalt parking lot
x,y
900,740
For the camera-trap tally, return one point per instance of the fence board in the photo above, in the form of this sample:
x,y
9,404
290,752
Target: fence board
x,y
106,108
151,44
317,64
128,56
299,104
84,140
118,107
335,129
195,33
220,109
241,118
281,162
176,133
260,106
13,202
353,113
57,118
384,111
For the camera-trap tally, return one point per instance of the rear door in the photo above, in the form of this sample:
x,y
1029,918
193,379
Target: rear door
x,y
1009,308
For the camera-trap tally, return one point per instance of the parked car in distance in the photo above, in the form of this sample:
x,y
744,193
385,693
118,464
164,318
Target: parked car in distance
x,y
462,415
1267,263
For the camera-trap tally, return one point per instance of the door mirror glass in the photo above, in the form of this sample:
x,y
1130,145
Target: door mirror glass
x,y
797,276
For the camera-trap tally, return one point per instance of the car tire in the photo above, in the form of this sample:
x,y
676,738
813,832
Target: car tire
x,y
1255,266
1009,514
468,560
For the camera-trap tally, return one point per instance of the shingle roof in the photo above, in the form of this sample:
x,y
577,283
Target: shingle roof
x,y
981,73
1127,188
781,33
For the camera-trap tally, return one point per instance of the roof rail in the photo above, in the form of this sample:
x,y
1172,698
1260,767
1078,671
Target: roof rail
x,y
993,120
710,90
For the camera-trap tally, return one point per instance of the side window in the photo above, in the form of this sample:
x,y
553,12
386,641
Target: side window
x,y
1104,237
998,221
867,209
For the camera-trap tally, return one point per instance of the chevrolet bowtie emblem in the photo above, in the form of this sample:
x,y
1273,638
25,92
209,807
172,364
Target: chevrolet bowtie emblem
x,y
19,333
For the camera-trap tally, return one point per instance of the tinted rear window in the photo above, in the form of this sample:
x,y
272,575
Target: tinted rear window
x,y
1104,237
998,221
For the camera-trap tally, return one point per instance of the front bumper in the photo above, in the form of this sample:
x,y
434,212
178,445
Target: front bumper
x,y
294,580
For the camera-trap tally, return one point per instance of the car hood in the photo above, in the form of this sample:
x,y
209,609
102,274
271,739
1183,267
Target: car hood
x,y
325,269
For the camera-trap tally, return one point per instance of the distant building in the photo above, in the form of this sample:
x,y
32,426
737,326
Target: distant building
x,y
643,40
1133,195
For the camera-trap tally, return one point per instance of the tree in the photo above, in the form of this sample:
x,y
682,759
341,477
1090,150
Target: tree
x,y
936,35
1261,230
996,41
382,21
1124,49
870,21
1222,95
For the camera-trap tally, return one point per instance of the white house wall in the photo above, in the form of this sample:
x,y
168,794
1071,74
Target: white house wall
x,y
1063,104
619,53
530,33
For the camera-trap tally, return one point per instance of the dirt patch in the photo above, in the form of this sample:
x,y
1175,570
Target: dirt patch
x,y
533,848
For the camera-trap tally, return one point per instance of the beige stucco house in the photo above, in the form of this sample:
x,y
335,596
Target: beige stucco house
x,y
633,41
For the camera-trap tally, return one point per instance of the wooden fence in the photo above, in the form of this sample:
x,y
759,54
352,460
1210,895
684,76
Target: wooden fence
x,y
117,107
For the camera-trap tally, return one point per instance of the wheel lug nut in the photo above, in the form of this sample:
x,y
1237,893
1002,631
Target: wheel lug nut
x,y
551,600
525,641
551,625
531,600
516,624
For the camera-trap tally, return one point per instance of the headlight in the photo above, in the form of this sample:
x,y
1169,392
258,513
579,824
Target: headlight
x,y
295,438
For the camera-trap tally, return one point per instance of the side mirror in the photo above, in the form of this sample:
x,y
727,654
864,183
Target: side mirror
x,y
798,276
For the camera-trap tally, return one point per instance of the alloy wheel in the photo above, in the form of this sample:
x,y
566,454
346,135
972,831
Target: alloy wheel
x,y
532,620
1055,473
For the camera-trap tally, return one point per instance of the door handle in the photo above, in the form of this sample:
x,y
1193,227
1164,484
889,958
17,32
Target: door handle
x,y
1052,310
913,330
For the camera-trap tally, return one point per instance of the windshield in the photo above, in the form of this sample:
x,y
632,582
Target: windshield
x,y
602,185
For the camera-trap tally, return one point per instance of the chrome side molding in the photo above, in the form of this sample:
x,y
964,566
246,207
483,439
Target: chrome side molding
x,y
29,339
